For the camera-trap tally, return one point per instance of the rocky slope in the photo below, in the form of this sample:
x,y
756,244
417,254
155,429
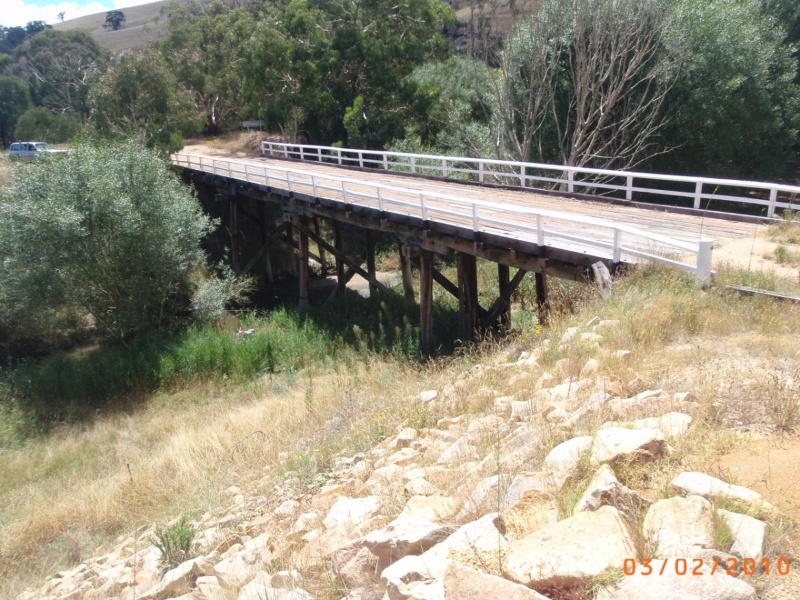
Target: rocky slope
x,y
525,499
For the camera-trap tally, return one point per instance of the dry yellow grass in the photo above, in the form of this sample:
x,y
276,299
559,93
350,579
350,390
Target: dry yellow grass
x,y
64,495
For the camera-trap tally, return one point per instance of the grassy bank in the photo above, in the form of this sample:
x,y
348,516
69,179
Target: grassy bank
x,y
190,436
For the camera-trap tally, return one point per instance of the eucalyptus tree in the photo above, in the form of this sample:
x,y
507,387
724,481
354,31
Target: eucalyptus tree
x,y
139,97
204,46
60,67
14,100
735,106
580,83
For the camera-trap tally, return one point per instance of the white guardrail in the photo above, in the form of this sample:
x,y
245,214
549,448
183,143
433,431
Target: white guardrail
x,y
701,191
593,236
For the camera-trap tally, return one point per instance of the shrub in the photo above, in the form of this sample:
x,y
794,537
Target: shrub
x,y
104,235
175,543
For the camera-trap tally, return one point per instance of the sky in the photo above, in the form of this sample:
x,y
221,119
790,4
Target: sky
x,y
21,12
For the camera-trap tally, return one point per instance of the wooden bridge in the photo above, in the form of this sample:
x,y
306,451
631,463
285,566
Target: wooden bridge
x,y
473,208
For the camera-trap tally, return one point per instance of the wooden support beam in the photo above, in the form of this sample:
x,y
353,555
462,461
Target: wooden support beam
x,y
541,298
426,302
504,285
345,260
497,307
234,217
292,248
372,240
405,270
443,281
322,261
303,302
268,238
338,240
467,294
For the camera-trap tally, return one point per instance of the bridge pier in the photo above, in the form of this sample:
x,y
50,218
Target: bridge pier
x,y
304,256
426,302
468,307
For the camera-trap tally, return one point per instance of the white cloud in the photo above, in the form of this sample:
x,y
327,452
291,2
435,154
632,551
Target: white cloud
x,y
21,12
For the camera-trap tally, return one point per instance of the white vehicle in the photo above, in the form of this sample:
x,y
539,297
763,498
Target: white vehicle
x,y
32,149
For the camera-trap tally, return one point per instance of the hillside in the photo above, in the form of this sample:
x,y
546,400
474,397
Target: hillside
x,y
143,24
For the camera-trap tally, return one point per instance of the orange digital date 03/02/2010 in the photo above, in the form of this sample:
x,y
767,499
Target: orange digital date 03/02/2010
x,y
697,566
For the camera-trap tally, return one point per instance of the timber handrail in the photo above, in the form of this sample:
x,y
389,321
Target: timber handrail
x,y
699,190
538,226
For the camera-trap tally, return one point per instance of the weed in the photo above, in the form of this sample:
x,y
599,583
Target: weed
x,y
175,543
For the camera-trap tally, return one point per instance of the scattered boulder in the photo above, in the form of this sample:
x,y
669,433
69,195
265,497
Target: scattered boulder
x,y
563,461
351,510
404,536
605,490
572,551
616,444
466,583
692,482
748,534
678,526
179,581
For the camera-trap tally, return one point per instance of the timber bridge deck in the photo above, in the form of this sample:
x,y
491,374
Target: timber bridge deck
x,y
476,208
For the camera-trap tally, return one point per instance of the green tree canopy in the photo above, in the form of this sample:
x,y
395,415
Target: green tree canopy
x,y
204,46
60,66
107,232
38,123
140,98
735,108
14,100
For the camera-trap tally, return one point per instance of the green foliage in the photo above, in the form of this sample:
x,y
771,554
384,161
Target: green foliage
x,y
60,67
42,124
114,20
105,233
308,64
14,99
175,543
203,46
139,97
735,107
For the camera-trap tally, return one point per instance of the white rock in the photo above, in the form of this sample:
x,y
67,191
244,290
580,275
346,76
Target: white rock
x,y
521,410
178,581
421,487
678,526
572,551
405,437
705,586
605,490
525,482
428,395
692,482
405,536
287,508
563,461
627,445
466,583
748,534
431,508
461,450
590,368
351,510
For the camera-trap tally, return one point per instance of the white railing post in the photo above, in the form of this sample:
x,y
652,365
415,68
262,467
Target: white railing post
x,y
360,159
617,257
698,194
289,181
570,181
380,199
480,171
629,188
474,217
385,161
539,230
773,198
302,153
246,175
423,208
522,175
314,185
339,155
413,164
285,151
344,193
704,261
444,167
266,176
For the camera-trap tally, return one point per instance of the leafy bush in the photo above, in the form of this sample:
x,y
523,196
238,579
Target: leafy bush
x,y
105,235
